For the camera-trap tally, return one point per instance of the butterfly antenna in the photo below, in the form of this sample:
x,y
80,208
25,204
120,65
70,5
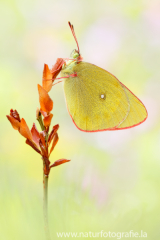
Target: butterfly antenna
x,y
74,35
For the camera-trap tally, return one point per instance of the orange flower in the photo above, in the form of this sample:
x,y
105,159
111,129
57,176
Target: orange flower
x,y
45,101
22,127
50,75
14,119
42,142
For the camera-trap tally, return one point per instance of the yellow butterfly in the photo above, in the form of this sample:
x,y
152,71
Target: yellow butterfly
x,y
96,99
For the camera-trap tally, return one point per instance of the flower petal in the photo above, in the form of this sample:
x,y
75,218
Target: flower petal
x,y
52,133
15,123
35,134
57,68
38,113
15,114
47,120
42,137
43,149
30,143
24,130
59,162
46,102
54,142
44,114
47,78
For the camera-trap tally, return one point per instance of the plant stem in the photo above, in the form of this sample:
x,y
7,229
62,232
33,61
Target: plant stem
x,y
39,119
45,205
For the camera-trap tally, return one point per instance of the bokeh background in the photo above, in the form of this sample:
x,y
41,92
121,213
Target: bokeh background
x,y
113,180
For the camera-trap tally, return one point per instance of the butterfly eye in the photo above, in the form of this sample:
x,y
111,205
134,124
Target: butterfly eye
x,y
102,96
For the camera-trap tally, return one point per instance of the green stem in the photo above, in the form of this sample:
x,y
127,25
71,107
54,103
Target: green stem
x,y
45,205
39,119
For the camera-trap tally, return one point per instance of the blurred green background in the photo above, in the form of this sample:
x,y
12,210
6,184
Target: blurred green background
x,y
113,180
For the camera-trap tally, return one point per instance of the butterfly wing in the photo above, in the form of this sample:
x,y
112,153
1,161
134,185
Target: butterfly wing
x,y
98,101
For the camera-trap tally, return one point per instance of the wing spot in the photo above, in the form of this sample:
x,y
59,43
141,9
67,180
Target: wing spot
x,y
102,96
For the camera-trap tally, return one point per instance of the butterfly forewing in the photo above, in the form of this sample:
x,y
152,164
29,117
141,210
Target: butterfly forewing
x,y
97,101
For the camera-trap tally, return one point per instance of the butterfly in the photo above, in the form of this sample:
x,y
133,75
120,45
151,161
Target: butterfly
x,y
96,99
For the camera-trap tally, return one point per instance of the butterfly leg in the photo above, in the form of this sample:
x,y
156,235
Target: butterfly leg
x,y
71,75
